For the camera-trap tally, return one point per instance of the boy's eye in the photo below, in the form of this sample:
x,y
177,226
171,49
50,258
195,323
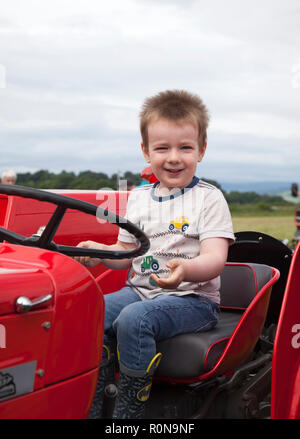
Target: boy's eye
x,y
186,147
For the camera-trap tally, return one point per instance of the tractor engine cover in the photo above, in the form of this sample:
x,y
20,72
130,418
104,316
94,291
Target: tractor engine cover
x,y
51,326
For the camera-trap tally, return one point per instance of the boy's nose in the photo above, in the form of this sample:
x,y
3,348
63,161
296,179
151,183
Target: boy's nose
x,y
173,156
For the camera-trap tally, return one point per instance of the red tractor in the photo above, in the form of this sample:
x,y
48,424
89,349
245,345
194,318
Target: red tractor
x,y
52,312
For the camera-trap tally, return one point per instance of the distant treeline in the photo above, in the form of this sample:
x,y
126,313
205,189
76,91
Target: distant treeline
x,y
98,180
69,180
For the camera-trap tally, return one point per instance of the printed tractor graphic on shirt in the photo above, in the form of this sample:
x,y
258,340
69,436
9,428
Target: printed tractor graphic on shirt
x,y
180,223
149,262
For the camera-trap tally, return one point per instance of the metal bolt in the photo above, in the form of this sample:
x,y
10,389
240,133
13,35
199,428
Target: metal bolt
x,y
46,325
40,373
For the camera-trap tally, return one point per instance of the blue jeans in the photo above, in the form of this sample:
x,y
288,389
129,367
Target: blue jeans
x,y
139,324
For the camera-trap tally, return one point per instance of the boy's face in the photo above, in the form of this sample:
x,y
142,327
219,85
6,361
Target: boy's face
x,y
173,151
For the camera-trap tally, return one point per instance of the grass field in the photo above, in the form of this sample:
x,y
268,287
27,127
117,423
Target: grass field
x,y
278,226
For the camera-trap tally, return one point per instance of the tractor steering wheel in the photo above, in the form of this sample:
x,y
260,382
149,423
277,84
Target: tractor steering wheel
x,y
63,203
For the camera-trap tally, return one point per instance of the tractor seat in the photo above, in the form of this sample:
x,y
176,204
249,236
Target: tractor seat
x,y
245,294
196,354
190,355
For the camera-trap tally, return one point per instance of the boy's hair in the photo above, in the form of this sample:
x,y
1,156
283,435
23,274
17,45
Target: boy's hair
x,y
176,106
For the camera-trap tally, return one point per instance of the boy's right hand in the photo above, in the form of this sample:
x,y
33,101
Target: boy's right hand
x,y
86,260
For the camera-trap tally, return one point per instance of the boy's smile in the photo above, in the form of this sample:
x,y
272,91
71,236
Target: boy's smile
x,y
173,151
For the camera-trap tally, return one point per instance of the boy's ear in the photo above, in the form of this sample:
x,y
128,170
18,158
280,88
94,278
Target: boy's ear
x,y
202,152
145,152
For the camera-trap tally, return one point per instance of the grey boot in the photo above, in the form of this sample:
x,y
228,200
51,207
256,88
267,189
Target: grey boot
x,y
134,390
106,386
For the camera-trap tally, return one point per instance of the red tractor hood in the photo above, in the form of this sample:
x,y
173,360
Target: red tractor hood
x,y
20,276
57,336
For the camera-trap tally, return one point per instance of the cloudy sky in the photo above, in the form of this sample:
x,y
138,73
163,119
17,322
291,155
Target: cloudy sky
x,y
74,74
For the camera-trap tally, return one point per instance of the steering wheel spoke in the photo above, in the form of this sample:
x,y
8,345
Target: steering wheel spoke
x,y
48,233
12,237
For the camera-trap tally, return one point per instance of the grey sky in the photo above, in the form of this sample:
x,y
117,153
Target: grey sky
x,y
73,75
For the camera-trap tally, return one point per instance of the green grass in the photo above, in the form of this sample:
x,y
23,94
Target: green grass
x,y
277,221
280,227
262,209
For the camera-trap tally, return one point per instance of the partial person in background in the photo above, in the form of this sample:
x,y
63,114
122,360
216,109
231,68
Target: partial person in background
x,y
148,176
130,185
9,177
294,190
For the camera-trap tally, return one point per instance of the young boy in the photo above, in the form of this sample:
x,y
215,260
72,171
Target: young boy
x,y
174,288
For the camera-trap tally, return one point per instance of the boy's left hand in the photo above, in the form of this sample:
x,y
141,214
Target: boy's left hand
x,y
175,278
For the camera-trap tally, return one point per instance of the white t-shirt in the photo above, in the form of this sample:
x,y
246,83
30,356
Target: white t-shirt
x,y
175,224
